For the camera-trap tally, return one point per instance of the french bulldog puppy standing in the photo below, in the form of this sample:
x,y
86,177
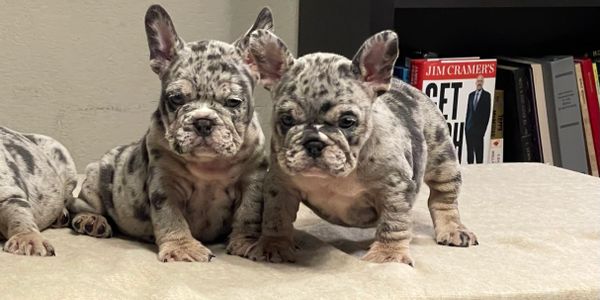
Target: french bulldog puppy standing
x,y
37,177
197,174
354,145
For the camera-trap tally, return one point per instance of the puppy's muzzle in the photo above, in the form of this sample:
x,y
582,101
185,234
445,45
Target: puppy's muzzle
x,y
314,147
203,127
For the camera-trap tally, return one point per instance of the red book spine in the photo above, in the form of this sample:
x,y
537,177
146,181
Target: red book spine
x,y
592,103
416,73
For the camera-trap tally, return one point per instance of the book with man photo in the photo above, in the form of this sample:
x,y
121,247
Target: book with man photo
x,y
463,90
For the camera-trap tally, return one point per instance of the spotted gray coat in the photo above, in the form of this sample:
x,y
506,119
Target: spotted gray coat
x,y
354,145
201,162
37,177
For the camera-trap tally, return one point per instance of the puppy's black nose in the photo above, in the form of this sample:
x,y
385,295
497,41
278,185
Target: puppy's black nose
x,y
314,148
203,127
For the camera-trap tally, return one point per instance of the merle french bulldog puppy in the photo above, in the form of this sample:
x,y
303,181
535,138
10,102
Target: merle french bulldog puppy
x,y
354,145
196,175
37,178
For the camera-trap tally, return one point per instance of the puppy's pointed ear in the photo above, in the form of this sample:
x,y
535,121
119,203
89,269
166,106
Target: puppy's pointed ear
x,y
263,21
374,61
268,56
162,38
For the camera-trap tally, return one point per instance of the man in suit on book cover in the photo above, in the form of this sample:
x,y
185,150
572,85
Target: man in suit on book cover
x,y
478,117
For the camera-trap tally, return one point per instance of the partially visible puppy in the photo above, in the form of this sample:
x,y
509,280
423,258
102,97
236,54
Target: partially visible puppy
x,y
354,145
196,175
37,177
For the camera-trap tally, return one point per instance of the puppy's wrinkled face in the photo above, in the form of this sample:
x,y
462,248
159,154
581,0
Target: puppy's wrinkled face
x,y
322,116
206,103
206,99
322,102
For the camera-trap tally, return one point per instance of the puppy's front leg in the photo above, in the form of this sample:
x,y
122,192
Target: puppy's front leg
x,y
173,237
393,234
444,181
276,243
17,224
247,218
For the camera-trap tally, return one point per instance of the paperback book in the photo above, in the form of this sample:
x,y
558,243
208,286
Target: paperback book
x,y
463,90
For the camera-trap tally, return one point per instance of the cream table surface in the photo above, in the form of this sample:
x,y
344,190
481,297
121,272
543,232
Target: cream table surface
x,y
538,228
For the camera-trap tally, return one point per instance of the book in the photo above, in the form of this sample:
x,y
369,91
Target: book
x,y
597,79
562,99
592,103
529,106
462,89
416,66
587,129
497,135
595,57
541,111
402,73
518,135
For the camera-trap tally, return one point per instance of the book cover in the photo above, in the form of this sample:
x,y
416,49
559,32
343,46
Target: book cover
x,y
497,136
416,67
566,125
518,134
462,89
587,129
544,142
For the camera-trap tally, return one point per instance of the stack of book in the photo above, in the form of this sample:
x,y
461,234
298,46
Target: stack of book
x,y
511,109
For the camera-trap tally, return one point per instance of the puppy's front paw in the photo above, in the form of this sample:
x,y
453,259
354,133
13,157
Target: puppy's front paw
x,y
189,250
388,252
92,225
241,245
457,236
62,220
30,243
273,249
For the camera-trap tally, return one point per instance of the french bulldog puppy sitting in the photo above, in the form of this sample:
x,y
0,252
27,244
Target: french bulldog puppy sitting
x,y
196,175
354,145
37,177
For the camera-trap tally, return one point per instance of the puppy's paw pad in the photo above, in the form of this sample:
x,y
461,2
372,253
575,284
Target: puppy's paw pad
x,y
460,237
92,225
186,250
383,253
62,220
31,244
275,250
241,245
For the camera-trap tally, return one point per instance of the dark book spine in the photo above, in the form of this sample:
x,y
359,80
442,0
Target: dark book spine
x,y
524,112
536,150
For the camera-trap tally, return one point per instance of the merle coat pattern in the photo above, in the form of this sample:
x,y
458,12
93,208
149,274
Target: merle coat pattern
x,y
200,164
354,145
37,178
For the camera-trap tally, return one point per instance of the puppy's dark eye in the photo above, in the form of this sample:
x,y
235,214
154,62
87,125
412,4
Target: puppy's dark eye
x,y
347,121
287,120
232,102
176,99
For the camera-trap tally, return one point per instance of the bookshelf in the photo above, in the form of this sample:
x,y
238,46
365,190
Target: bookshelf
x,y
483,28
488,29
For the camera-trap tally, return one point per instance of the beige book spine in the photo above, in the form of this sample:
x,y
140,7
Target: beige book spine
x,y
597,81
542,110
